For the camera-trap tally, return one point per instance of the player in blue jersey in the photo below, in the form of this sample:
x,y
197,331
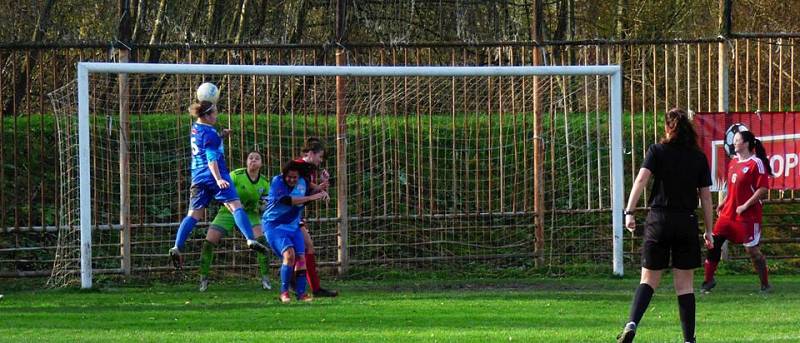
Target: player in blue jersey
x,y
210,180
288,193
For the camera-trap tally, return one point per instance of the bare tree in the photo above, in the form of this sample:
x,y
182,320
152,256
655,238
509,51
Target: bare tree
x,y
156,33
242,21
299,23
21,82
141,14
188,34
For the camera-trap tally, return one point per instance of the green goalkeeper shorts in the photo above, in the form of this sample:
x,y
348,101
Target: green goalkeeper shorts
x,y
224,222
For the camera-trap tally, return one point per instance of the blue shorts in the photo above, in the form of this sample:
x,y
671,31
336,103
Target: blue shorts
x,y
201,193
280,240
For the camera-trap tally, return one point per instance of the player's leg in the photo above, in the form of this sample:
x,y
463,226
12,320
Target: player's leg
x,y
641,300
287,273
300,266
684,281
187,226
311,266
220,227
648,282
655,258
685,259
720,233
231,200
263,263
758,258
199,197
213,237
281,245
184,230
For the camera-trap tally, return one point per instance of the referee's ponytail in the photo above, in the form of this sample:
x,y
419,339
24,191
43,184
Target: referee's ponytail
x,y
754,144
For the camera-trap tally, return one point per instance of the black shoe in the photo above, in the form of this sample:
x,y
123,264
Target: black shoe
x,y
176,257
324,293
627,334
766,288
707,286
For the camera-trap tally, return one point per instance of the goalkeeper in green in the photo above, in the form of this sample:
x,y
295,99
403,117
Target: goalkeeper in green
x,y
253,189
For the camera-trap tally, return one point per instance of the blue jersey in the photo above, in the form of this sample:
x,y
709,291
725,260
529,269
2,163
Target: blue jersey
x,y
206,147
280,214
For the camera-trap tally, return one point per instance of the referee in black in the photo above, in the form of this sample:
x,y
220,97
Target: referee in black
x,y
680,173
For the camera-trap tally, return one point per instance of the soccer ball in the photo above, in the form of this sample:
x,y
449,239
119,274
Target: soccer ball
x,y
208,92
732,131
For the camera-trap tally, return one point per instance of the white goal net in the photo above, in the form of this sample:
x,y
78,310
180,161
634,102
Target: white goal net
x,y
438,163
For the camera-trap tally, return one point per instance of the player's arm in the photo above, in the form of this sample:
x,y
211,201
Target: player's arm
x,y
722,202
636,192
213,154
761,184
293,201
323,185
757,195
708,217
324,177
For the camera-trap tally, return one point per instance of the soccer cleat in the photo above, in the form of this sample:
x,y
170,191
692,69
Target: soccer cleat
x,y
707,286
265,282
255,245
766,288
627,334
324,293
203,283
285,298
304,298
176,257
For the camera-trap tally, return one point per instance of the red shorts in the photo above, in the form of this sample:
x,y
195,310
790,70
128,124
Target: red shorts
x,y
746,233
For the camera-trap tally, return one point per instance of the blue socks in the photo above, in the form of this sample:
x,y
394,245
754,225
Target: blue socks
x,y
300,279
184,230
243,223
287,274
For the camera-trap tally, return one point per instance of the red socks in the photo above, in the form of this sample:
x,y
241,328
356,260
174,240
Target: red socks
x,y
311,268
710,269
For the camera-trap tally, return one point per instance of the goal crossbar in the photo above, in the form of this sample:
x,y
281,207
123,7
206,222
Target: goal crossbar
x,y
614,72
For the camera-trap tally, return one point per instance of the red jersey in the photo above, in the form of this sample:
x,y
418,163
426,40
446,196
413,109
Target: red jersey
x,y
308,171
744,179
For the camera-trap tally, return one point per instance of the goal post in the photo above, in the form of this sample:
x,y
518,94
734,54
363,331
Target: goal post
x,y
613,72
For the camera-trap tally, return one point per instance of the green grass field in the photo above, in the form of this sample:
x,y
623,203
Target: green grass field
x,y
530,310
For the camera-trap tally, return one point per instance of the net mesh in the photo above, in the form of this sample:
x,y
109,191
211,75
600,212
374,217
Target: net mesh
x,y
439,170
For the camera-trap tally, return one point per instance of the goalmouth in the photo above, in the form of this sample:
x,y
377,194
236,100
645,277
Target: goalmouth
x,y
613,72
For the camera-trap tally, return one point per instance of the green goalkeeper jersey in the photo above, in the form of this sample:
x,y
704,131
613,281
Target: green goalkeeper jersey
x,y
251,192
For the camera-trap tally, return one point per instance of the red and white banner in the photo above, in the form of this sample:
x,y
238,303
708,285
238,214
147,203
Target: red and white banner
x,y
778,131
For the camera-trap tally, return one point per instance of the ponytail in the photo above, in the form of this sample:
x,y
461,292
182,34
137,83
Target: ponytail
x,y
202,108
761,153
754,144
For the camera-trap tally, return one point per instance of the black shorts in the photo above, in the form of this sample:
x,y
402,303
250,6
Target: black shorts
x,y
671,234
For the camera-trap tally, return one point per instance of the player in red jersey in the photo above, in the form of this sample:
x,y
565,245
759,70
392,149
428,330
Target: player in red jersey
x,y
313,152
740,213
